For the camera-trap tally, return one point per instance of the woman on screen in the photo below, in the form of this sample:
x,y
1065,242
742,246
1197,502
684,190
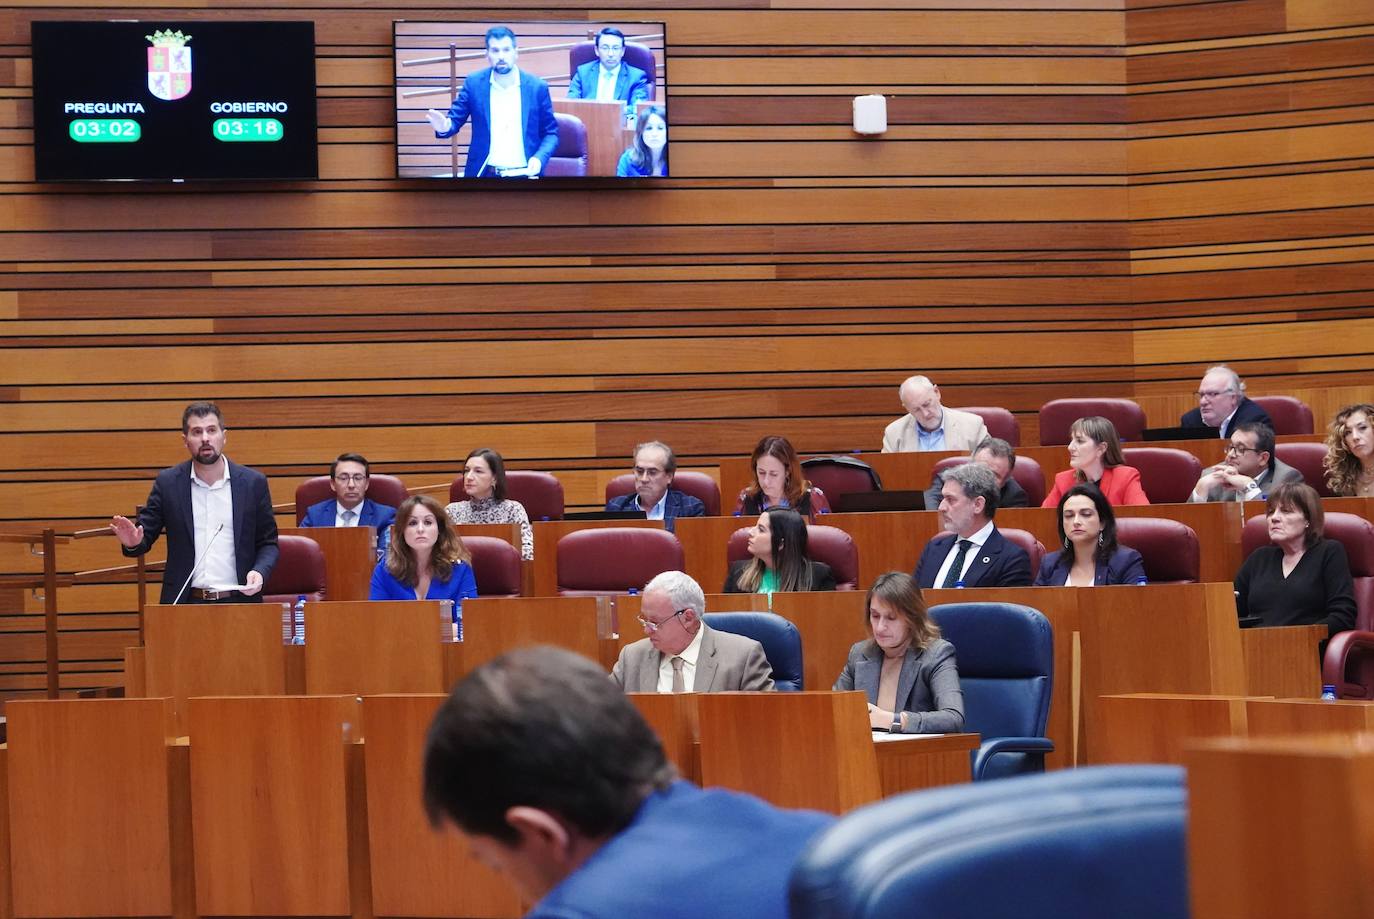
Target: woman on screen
x,y
649,155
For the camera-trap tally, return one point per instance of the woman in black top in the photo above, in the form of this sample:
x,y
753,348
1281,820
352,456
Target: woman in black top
x,y
778,546
1301,578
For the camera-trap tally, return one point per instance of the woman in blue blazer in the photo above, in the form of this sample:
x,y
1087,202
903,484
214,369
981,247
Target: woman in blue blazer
x,y
426,560
904,666
1090,557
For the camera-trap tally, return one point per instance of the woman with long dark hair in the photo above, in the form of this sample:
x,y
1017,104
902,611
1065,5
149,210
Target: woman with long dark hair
x,y
1091,556
778,546
648,156
425,560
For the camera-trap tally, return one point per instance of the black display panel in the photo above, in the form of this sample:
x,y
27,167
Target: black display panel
x,y
166,100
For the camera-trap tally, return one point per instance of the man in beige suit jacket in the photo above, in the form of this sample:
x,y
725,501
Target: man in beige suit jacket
x,y
681,652
928,425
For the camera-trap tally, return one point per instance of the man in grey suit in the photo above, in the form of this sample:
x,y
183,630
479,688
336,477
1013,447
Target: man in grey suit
x,y
1250,470
681,653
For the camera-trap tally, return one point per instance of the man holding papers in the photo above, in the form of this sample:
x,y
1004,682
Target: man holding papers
x,y
221,535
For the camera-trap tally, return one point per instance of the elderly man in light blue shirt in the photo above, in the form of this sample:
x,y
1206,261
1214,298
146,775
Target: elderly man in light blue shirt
x,y
928,425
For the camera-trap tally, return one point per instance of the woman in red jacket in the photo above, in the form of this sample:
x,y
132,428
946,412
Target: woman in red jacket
x,y
1095,456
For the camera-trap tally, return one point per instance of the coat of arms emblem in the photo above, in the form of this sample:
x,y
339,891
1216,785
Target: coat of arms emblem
x,y
169,64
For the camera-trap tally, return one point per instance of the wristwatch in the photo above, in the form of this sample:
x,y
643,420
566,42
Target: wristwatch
x,y
896,723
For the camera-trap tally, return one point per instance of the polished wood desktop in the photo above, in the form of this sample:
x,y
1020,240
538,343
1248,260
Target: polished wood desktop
x,y
373,646
606,134
350,555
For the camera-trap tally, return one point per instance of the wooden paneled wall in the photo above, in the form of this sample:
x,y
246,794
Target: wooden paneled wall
x,y
1070,198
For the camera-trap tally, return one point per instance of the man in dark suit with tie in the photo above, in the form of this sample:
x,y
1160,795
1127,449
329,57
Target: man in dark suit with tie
x,y
623,81
971,553
513,128
350,506
1222,404
654,494
218,518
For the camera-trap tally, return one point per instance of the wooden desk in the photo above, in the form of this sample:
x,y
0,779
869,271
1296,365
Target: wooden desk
x,y
376,646
1155,727
415,870
494,626
350,555
1279,717
606,135
1281,827
910,762
1283,662
270,790
674,718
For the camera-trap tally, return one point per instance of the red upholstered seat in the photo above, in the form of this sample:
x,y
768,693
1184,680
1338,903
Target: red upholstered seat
x,y
384,489
1349,661
1307,459
1001,423
299,571
540,492
697,484
614,560
496,565
1169,548
636,55
830,545
1034,547
1167,475
1026,472
840,475
570,155
1290,415
1057,416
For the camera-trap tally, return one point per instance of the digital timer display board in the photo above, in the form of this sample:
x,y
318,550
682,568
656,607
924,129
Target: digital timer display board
x,y
167,100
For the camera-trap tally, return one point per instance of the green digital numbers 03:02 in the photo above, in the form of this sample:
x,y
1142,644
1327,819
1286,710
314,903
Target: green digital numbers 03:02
x,y
231,130
104,130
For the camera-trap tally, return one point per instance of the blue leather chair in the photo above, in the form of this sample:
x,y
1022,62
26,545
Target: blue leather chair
x,y
1005,654
780,639
1072,844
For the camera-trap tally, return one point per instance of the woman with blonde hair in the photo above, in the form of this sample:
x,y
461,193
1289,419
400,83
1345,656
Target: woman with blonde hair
x,y
904,650
1349,460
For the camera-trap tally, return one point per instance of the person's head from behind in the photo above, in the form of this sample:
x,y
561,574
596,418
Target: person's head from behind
x,y
202,430
423,537
670,611
777,471
349,476
1295,515
651,137
968,499
895,614
654,467
610,47
1218,394
538,758
501,50
1251,450
484,475
1086,521
1094,446
998,455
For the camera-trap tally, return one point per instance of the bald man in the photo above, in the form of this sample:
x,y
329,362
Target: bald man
x,y
928,425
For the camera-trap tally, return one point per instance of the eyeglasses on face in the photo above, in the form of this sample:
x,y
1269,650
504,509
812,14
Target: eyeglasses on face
x,y
1211,394
652,627
1239,449
354,479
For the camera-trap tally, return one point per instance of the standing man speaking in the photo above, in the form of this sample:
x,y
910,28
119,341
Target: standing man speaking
x,y
221,535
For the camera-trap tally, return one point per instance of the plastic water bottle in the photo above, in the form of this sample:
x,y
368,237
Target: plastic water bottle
x,y
298,620
633,591
1328,693
1141,581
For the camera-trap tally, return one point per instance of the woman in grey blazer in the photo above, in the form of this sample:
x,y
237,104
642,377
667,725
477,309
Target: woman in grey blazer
x,y
904,665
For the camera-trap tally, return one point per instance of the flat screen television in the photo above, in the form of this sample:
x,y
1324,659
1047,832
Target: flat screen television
x,y
489,99
165,100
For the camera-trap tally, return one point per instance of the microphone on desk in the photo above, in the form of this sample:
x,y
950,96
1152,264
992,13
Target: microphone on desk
x,y
204,552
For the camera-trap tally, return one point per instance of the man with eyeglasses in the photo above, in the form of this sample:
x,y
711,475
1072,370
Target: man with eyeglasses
x,y
680,652
350,506
654,468
1250,470
1222,403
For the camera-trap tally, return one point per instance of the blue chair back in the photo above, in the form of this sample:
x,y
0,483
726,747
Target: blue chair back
x,y
1005,654
780,639
1071,844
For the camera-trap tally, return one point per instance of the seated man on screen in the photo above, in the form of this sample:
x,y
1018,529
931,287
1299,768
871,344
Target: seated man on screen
x,y
350,506
928,425
654,493
681,653
513,128
1000,457
1250,470
971,552
558,782
1222,403
608,77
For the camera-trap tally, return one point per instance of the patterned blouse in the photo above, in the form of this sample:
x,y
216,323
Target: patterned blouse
x,y
489,510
